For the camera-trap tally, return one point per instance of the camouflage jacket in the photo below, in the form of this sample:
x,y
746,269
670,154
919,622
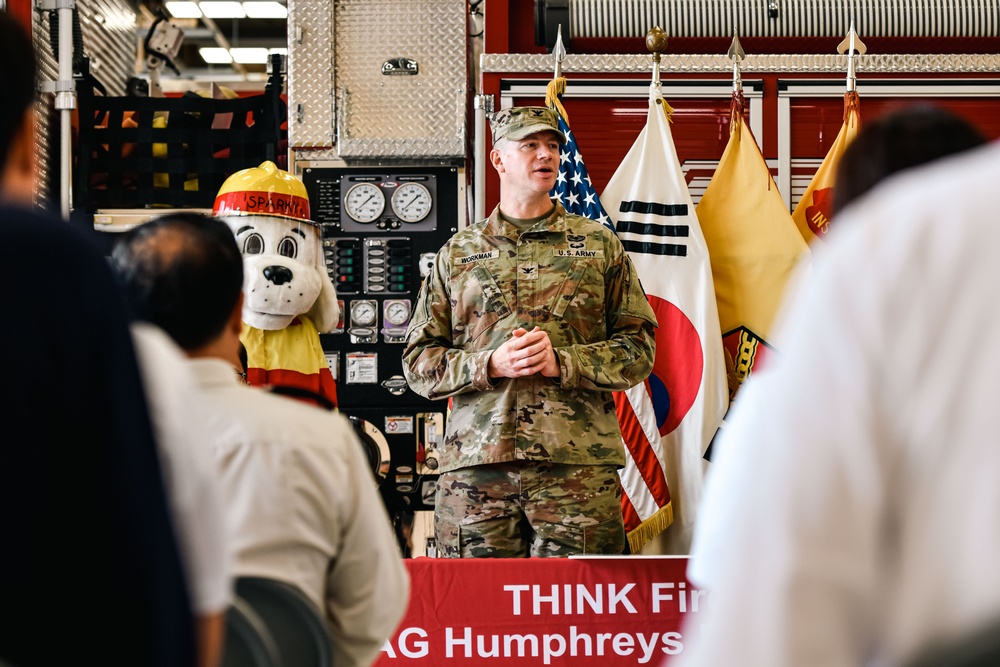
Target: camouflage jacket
x,y
569,276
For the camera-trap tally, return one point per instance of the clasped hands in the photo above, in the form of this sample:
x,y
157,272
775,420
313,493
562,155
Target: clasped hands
x,y
524,353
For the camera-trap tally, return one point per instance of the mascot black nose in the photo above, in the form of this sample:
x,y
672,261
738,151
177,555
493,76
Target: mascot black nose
x,y
279,275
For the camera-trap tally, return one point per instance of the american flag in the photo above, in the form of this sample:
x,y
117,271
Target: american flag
x,y
573,187
646,507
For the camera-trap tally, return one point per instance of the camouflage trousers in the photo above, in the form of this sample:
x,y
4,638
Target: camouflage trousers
x,y
520,509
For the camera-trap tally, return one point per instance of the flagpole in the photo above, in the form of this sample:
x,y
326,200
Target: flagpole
x,y
558,53
656,43
853,47
483,107
737,55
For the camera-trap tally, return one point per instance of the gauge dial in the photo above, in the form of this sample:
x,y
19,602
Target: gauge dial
x,y
363,313
425,264
364,202
397,312
411,202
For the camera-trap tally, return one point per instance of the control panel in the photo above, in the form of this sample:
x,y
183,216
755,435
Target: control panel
x,y
382,227
377,201
372,265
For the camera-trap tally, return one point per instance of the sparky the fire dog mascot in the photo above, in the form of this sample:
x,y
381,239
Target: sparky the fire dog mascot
x,y
288,295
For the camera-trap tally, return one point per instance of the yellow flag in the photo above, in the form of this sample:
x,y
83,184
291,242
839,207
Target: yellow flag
x,y
812,214
752,243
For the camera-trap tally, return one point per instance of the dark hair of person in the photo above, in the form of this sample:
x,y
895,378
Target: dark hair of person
x,y
899,140
19,81
182,272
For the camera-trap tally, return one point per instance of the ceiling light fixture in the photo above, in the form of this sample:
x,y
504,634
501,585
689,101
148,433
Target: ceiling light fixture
x,y
249,55
183,10
222,9
215,55
265,9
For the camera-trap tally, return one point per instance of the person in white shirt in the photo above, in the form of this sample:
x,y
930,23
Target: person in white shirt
x,y
192,483
301,500
860,467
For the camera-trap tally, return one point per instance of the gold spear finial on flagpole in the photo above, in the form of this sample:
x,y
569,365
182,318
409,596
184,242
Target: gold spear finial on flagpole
x,y
656,43
558,53
737,55
557,86
853,47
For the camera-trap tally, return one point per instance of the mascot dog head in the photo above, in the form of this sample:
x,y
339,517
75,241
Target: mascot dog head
x,y
283,260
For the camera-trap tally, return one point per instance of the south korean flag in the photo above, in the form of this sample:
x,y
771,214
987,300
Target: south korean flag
x,y
682,403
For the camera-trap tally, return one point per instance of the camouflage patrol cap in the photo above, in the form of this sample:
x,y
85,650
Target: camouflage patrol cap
x,y
518,122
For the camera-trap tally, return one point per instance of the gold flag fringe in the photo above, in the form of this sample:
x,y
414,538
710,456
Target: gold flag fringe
x,y
556,87
651,527
667,109
852,107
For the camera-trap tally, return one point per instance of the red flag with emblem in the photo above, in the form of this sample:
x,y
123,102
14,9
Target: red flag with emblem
x,y
812,214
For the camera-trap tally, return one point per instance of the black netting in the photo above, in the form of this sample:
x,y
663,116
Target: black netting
x,y
138,151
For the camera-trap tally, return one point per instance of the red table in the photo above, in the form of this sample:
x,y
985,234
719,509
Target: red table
x,y
596,611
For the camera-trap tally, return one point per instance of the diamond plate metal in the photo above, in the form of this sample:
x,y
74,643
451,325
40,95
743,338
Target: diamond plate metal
x,y
612,64
109,39
401,116
46,118
310,74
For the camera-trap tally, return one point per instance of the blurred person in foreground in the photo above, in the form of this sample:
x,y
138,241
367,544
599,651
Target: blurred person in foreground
x,y
301,501
89,568
855,489
902,139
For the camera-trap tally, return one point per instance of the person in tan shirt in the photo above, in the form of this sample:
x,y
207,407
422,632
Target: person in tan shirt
x,y
301,501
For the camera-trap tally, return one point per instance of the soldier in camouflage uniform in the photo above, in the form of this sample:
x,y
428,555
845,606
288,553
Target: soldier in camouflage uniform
x,y
528,321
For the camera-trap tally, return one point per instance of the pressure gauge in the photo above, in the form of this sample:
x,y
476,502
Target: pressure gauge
x,y
411,202
425,264
364,202
363,313
397,311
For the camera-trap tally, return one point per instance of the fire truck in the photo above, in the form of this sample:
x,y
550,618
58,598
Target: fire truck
x,y
380,108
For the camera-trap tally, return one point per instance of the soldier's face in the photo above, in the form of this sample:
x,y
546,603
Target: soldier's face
x,y
530,164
